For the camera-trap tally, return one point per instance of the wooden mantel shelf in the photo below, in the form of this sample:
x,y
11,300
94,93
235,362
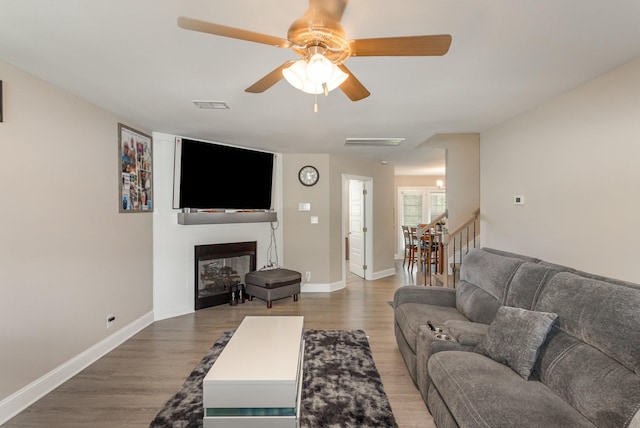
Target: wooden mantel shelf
x,y
192,218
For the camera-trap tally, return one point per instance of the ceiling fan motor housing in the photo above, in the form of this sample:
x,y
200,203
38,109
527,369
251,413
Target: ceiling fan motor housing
x,y
317,32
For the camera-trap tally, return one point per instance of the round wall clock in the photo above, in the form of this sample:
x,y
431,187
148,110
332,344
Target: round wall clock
x,y
308,175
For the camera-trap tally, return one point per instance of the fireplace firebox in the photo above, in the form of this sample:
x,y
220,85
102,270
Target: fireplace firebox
x,y
218,267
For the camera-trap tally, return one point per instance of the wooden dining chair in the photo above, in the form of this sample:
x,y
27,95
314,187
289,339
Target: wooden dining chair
x,y
408,246
429,251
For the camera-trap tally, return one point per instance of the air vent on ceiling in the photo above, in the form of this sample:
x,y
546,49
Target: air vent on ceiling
x,y
216,105
380,142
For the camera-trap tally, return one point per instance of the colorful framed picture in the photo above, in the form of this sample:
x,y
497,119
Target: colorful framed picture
x,y
136,170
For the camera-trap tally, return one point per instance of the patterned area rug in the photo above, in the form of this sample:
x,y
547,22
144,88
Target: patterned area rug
x,y
341,385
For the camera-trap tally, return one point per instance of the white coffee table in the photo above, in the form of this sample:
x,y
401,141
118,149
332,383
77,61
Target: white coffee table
x,y
257,379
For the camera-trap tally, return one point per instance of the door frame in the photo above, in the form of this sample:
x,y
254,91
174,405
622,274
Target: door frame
x,y
368,223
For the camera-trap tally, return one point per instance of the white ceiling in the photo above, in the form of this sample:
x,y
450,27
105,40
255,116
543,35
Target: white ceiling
x,y
507,56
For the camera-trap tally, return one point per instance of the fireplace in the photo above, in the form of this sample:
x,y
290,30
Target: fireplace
x,y
218,267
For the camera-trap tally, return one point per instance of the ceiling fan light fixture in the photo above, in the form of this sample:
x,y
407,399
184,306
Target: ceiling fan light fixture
x,y
319,69
337,78
296,74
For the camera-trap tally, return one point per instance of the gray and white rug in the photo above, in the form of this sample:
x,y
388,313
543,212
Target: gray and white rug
x,y
341,385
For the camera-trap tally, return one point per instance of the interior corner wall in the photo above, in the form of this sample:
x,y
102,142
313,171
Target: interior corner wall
x,y
173,243
68,258
575,161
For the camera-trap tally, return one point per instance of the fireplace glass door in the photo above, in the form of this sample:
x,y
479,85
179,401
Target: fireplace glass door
x,y
218,268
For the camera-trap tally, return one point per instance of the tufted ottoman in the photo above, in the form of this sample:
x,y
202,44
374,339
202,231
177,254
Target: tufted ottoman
x,y
273,284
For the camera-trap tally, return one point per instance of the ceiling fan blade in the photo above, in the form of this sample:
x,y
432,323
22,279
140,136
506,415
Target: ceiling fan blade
x,y
402,46
352,86
269,80
335,8
234,33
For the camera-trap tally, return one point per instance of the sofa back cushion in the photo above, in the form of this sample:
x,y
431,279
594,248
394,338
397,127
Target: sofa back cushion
x,y
527,282
484,277
592,355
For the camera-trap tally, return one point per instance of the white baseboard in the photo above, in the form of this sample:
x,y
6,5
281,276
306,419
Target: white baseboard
x,y
384,273
173,313
20,400
322,288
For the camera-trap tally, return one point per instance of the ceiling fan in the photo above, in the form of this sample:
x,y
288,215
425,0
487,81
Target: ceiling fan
x,y
320,40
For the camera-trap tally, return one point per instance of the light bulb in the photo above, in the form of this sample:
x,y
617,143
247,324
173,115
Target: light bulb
x,y
319,69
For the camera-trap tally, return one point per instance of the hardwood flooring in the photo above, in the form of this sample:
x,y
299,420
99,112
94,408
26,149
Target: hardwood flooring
x,y
128,386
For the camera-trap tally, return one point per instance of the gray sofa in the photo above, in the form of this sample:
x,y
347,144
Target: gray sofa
x,y
524,343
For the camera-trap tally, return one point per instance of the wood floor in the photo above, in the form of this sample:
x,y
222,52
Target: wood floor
x,y
127,387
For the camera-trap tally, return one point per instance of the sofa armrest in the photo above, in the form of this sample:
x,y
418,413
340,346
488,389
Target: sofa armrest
x,y
437,296
466,332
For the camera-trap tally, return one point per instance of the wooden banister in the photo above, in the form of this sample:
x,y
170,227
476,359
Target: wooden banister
x,y
447,242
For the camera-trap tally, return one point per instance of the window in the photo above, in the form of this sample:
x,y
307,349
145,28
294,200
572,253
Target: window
x,y
418,205
437,204
412,208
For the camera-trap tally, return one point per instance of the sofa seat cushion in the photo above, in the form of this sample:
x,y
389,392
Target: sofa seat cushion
x,y
410,316
480,392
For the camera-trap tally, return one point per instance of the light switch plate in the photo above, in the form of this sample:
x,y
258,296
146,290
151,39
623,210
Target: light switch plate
x,y
304,206
314,219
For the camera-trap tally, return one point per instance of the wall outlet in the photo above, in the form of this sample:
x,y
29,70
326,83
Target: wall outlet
x,y
110,320
308,276
518,200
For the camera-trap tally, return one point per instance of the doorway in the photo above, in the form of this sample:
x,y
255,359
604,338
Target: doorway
x,y
357,231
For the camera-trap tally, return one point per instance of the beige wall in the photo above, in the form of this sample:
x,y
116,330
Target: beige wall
x,y
306,245
575,160
68,258
418,181
317,248
463,174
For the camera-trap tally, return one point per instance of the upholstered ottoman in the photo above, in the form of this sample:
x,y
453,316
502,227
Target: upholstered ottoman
x,y
273,284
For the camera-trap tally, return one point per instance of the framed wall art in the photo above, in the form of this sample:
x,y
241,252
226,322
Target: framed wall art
x,y
136,170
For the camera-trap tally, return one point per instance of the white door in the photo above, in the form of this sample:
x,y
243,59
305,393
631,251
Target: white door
x,y
356,228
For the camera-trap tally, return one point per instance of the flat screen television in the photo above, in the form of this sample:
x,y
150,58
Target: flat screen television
x,y
215,176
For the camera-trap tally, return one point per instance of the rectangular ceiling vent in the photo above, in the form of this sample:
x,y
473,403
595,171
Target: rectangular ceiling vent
x,y
377,142
216,105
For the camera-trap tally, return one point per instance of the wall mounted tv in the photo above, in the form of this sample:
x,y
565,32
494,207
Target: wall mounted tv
x,y
215,176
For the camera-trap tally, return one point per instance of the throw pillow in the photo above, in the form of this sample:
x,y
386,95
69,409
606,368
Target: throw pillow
x,y
514,337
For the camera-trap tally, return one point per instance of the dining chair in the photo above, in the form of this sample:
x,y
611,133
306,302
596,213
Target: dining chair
x,y
409,247
429,250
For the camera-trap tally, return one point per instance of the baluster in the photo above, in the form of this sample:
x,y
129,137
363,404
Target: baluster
x,y
474,234
454,261
467,230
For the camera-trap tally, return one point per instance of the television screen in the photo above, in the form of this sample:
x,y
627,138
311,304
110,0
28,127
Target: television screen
x,y
215,176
